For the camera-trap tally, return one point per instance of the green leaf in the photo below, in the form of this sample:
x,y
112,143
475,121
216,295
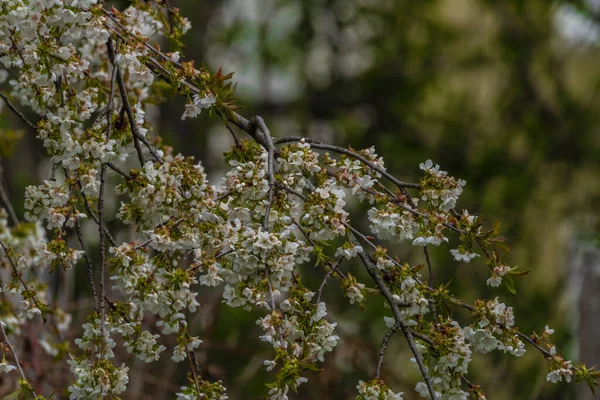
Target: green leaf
x,y
510,284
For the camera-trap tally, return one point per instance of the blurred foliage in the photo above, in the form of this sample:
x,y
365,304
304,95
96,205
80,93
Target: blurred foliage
x,y
504,94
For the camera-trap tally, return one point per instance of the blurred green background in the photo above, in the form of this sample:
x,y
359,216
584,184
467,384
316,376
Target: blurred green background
x,y
504,94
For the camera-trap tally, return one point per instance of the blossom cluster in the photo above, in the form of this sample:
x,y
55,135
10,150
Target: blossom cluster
x,y
376,390
447,362
493,328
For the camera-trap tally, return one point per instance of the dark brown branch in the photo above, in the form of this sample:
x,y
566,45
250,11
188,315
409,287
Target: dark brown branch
x,y
102,255
95,218
18,113
117,170
423,338
108,108
384,345
532,342
137,136
236,140
90,266
329,274
292,191
385,291
111,53
271,176
194,366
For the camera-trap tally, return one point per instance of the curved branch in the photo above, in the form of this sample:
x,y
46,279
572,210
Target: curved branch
x,y
385,291
322,146
384,344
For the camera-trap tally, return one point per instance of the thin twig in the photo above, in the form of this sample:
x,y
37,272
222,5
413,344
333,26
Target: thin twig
x,y
53,172
192,367
221,197
306,235
117,170
270,167
423,338
384,345
18,113
329,274
428,266
88,259
88,207
147,242
292,191
426,251
545,352
108,108
14,353
6,198
236,140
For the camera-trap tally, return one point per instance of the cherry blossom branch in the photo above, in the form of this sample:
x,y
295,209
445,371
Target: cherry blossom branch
x,y
113,18
270,167
17,273
242,123
137,136
271,176
529,340
357,233
14,353
322,146
522,335
411,210
385,291
111,53
193,363
108,108
198,266
214,92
